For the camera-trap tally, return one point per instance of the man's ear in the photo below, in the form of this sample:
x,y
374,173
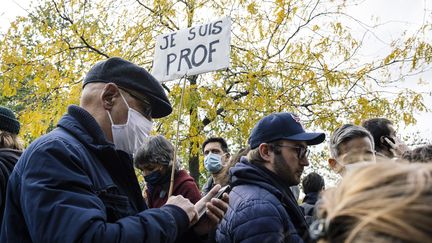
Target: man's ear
x,y
264,150
332,163
107,96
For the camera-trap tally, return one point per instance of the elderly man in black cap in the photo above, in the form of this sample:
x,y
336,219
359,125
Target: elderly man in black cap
x,y
262,206
77,183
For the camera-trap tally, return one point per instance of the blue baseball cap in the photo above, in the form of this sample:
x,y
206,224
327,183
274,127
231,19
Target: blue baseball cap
x,y
283,125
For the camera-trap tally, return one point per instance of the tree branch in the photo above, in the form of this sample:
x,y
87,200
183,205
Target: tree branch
x,y
81,36
156,13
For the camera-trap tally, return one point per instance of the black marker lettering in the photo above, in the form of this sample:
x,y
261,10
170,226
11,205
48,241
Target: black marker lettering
x,y
196,64
169,60
216,28
184,54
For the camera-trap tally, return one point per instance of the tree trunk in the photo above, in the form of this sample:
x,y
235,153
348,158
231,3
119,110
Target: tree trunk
x,y
194,167
194,122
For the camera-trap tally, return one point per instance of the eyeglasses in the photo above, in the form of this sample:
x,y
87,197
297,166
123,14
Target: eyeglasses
x,y
145,106
147,111
302,152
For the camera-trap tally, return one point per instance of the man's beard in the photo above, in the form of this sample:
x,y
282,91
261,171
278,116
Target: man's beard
x,y
284,172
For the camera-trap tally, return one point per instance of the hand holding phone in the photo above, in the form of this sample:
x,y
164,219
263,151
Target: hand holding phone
x,y
395,145
221,191
388,142
202,208
213,209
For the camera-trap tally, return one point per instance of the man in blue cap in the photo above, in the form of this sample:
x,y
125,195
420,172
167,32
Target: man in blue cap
x,y
262,206
77,183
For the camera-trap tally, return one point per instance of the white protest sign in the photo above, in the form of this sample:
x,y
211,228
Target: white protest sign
x,y
191,51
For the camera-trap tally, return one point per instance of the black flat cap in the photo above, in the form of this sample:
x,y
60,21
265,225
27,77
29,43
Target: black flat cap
x,y
132,77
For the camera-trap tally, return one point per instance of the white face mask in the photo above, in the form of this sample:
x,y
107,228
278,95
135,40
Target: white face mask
x,y
129,137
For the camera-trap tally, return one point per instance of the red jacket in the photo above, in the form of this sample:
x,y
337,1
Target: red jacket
x,y
184,185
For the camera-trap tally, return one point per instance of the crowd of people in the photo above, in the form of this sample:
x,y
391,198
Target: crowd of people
x,y
78,182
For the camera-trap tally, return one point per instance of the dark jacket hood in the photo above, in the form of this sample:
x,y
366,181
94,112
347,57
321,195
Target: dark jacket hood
x,y
182,177
10,155
8,159
311,198
248,173
86,130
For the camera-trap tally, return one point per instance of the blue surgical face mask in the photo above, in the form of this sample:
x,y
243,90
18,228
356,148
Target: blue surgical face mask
x,y
213,163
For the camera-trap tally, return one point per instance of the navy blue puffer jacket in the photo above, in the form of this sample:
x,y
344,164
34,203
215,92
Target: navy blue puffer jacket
x,y
261,209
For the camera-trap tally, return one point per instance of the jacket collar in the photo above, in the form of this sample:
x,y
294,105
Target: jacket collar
x,y
247,173
84,127
311,198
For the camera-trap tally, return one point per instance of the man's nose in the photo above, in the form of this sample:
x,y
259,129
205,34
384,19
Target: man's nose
x,y
304,161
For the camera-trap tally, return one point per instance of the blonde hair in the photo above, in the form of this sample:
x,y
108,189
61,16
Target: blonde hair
x,y
384,202
10,140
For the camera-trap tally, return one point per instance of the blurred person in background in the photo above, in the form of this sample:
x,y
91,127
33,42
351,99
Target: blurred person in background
x,y
351,146
421,154
10,150
312,185
224,178
216,158
384,202
386,141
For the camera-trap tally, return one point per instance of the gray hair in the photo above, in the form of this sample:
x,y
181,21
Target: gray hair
x,y
346,133
156,150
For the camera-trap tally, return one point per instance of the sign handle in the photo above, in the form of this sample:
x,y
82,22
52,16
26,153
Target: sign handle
x,y
177,136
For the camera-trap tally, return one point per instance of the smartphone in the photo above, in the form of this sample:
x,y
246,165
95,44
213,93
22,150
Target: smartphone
x,y
385,143
221,191
218,195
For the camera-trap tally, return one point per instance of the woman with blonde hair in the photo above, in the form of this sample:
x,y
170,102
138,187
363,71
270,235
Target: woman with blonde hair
x,y
384,202
10,150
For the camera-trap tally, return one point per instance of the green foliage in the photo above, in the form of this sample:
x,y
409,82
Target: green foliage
x,y
286,56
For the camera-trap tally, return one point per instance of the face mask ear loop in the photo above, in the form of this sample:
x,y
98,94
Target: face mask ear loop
x,y
125,100
128,113
109,115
